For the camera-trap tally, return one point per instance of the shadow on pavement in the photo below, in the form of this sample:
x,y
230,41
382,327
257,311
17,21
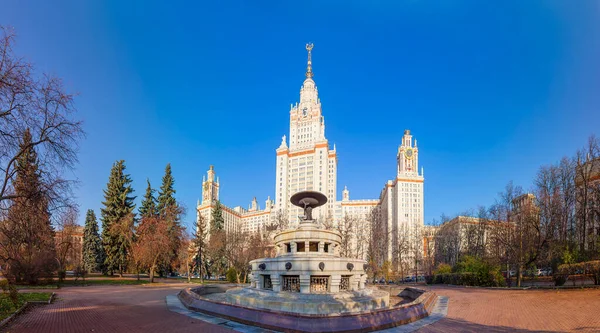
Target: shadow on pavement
x,y
458,325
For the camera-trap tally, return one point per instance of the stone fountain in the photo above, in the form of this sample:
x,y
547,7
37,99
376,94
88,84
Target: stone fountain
x,y
307,275
308,286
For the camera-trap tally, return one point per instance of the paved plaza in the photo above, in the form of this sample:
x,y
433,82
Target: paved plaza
x,y
144,309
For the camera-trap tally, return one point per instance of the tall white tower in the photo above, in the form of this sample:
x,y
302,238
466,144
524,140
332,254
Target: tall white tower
x,y
409,194
308,163
210,187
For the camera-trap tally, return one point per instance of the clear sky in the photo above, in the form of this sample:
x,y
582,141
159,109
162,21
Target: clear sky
x,y
490,89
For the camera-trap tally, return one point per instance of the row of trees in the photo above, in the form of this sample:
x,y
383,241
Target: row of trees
x,y
149,241
558,222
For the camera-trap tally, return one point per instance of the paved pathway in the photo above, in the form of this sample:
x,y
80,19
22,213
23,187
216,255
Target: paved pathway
x,y
143,309
110,309
485,310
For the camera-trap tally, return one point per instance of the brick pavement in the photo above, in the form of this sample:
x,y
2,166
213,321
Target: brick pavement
x,y
485,310
110,309
143,309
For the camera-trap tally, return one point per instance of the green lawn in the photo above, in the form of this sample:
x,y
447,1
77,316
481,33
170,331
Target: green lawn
x,y
7,307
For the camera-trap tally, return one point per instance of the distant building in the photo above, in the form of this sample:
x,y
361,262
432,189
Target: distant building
x,y
69,244
306,161
524,205
236,219
469,235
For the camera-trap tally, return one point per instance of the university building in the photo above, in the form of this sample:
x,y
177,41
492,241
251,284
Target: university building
x,y
305,160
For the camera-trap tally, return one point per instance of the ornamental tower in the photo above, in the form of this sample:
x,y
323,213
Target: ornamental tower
x,y
409,196
210,187
307,163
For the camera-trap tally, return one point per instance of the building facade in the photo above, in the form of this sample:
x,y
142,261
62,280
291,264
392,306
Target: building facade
x,y
305,160
307,163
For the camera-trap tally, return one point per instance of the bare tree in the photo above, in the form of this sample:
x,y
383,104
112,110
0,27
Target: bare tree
x,y
40,105
378,240
328,223
345,227
362,231
280,221
199,243
69,241
186,255
401,253
587,190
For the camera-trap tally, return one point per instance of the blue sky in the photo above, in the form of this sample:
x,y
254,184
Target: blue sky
x,y
492,90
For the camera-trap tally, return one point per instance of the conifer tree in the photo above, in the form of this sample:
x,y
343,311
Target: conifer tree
x,y
166,195
93,252
148,207
116,215
169,211
27,233
218,223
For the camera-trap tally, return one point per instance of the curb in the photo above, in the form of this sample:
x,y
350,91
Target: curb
x,y
22,308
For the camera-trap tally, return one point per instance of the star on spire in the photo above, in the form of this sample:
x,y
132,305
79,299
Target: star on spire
x,y
309,73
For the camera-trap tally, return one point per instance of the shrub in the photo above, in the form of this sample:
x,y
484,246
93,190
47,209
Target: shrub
x,y
470,271
559,279
231,275
590,268
11,290
443,269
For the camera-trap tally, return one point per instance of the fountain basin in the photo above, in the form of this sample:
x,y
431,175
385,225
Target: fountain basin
x,y
328,303
363,321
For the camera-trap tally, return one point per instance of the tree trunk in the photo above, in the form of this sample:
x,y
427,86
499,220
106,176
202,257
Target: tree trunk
x,y
187,270
152,273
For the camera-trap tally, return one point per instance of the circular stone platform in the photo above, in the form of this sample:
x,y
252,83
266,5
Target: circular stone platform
x,y
327,303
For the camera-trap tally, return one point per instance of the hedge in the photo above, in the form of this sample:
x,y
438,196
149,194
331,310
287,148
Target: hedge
x,y
470,279
590,268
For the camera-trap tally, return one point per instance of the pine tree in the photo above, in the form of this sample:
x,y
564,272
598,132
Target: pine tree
x,y
170,212
166,195
218,223
93,252
148,207
28,230
116,215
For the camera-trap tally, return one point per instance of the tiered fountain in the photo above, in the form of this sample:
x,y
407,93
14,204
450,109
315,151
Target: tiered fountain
x,y
308,275
308,287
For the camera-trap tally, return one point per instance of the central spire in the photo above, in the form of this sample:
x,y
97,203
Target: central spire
x,y
309,73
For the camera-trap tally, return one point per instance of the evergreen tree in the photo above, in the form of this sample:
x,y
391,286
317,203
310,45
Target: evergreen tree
x,y
218,222
27,232
116,215
148,207
170,212
93,252
166,195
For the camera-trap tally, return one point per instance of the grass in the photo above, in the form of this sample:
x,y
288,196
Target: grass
x,y
7,307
